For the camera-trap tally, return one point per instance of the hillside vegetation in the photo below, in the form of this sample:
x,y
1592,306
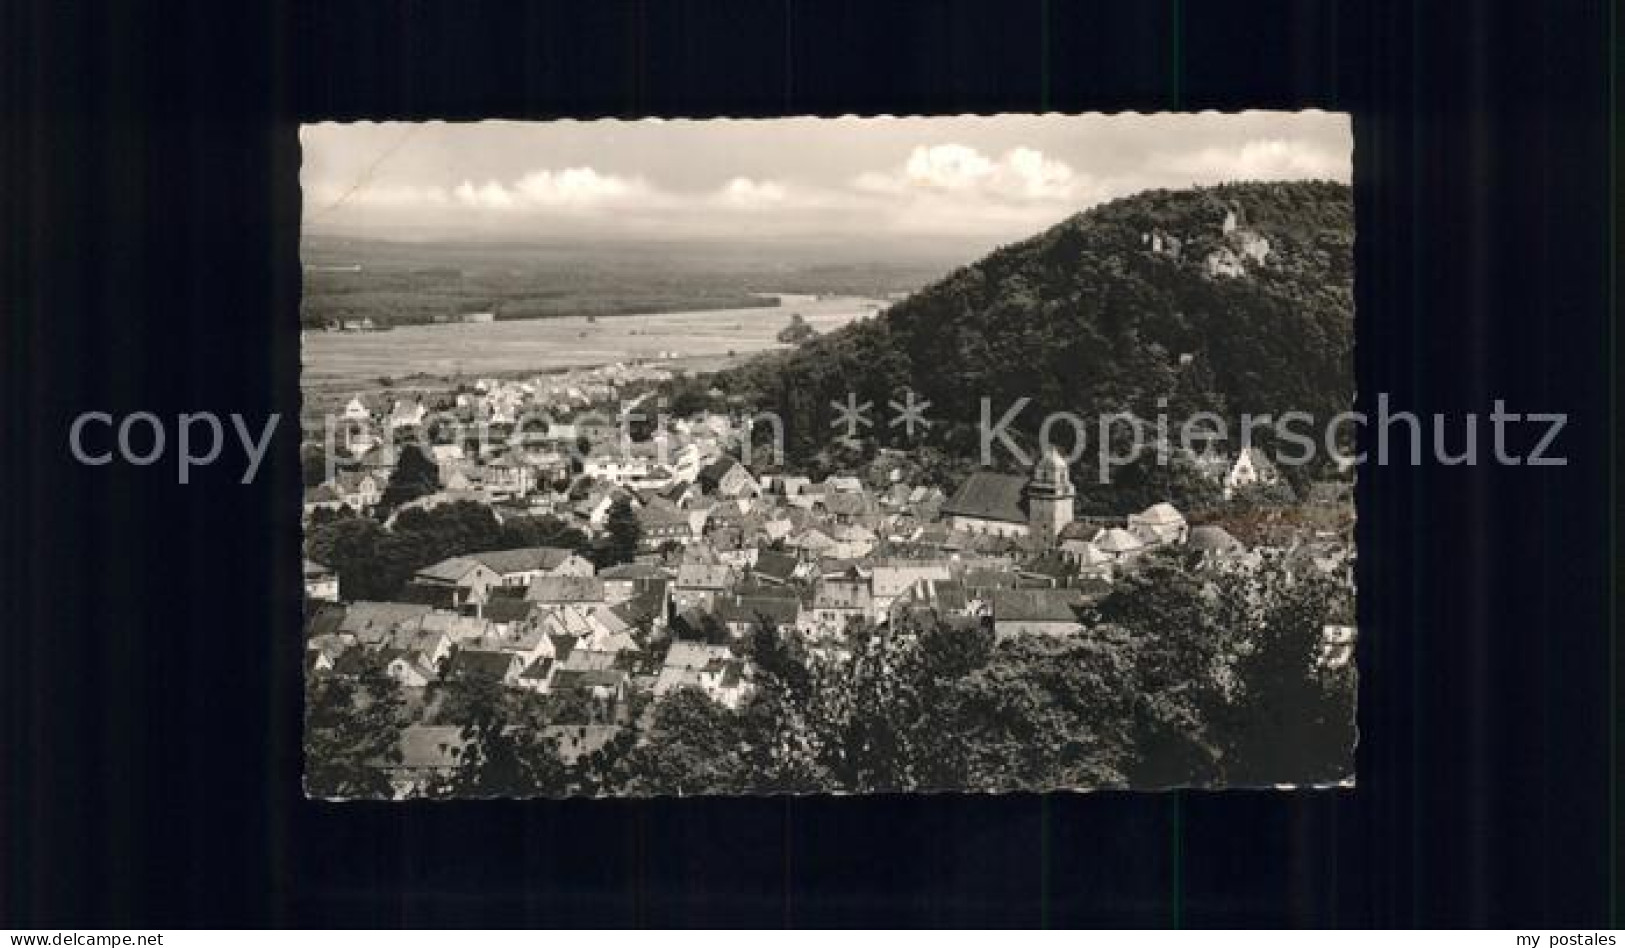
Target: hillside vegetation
x,y
1145,304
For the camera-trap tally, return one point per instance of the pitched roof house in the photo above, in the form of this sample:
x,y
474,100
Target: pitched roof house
x,y
566,590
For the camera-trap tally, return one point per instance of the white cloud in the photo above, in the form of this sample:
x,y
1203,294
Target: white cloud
x,y
749,194
1261,159
490,195
1020,174
576,187
570,188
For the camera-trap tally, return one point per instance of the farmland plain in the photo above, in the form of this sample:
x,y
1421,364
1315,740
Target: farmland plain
x,y
694,341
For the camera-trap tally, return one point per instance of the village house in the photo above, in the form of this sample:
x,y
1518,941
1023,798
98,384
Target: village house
x,y
741,614
552,591
321,583
357,490
1086,558
726,477
409,669
699,585
469,664
840,599
936,598
605,686
773,568
713,669
1250,469
1053,612
1158,524
1117,544
519,567
372,623
460,629
406,414
456,582
432,644
890,582
660,522
508,476
626,580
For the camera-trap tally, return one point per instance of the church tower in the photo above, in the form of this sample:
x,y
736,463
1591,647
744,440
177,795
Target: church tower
x,y
1049,498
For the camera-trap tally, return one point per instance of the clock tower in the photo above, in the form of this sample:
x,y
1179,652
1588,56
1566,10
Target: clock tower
x,y
1049,498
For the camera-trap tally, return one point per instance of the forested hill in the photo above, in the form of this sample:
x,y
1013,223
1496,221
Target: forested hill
x,y
1144,298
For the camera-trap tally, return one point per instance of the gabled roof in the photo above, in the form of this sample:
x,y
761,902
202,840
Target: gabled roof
x,y
1036,605
641,608
660,512
524,560
480,664
774,565
458,627
325,621
571,679
450,570
944,594
508,609
712,474
1163,514
380,617
986,495
1117,540
751,610
566,589
694,655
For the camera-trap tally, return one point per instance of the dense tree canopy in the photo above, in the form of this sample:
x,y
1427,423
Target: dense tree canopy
x,y
1085,318
415,475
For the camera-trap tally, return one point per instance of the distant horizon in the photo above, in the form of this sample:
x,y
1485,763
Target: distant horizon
x,y
973,182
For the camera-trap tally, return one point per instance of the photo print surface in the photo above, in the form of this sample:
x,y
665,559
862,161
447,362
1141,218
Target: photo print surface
x,y
857,455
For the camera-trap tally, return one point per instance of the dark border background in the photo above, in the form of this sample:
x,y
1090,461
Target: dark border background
x,y
149,681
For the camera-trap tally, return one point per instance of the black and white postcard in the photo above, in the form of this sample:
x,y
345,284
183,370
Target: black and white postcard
x,y
807,456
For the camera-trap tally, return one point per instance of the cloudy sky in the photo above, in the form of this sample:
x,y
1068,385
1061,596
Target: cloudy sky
x,y
988,180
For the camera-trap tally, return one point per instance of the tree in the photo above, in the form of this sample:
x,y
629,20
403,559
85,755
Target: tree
x,y
352,728
693,745
1181,648
355,547
425,536
498,758
1043,713
622,532
313,464
797,332
1293,717
517,532
415,475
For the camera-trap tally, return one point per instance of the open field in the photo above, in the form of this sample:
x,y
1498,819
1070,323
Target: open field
x,y
402,283
701,340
